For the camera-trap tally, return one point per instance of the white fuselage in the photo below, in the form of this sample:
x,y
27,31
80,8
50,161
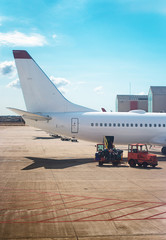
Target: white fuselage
x,y
49,110
126,128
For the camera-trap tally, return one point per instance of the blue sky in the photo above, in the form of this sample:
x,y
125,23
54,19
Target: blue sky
x,y
91,49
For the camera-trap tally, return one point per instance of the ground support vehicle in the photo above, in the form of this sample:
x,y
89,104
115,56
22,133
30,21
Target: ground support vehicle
x,y
104,155
138,155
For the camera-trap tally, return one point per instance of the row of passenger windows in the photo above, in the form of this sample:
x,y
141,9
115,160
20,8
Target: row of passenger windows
x,y
127,125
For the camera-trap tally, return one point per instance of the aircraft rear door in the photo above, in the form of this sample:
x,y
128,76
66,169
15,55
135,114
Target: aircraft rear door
x,y
74,125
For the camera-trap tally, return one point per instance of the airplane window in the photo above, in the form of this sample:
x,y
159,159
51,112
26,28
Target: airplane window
x,y
96,124
110,124
146,124
159,125
105,124
101,124
127,125
141,124
118,124
136,125
114,124
163,125
123,124
150,125
155,125
92,124
131,124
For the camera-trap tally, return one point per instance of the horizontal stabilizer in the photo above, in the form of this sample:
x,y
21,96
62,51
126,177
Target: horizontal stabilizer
x,y
29,115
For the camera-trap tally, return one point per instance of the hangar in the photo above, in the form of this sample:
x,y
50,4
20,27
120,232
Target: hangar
x,y
125,103
157,99
153,102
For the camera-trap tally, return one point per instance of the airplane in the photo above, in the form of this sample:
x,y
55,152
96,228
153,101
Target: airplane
x,y
49,110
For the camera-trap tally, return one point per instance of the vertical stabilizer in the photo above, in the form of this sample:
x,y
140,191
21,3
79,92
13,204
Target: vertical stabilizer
x,y
40,94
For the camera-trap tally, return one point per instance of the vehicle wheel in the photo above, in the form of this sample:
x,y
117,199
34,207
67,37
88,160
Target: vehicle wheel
x,y
100,163
145,164
163,150
153,166
132,163
139,165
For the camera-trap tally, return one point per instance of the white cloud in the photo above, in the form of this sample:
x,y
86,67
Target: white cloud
x,y
54,36
20,39
59,82
142,93
7,68
14,84
98,90
63,90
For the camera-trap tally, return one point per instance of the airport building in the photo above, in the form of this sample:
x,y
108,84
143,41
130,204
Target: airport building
x,y
125,103
153,102
157,99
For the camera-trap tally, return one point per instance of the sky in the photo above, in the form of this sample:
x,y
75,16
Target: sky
x,y
91,49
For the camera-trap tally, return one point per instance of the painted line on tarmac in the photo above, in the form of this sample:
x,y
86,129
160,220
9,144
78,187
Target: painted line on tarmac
x,y
74,198
53,211
66,215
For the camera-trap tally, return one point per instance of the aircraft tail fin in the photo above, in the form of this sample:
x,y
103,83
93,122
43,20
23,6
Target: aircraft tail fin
x,y
40,94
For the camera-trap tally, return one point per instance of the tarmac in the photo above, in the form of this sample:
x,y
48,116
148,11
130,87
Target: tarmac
x,y
51,189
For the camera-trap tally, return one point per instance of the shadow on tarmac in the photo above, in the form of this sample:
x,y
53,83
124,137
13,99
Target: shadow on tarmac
x,y
36,138
112,166
49,163
126,166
